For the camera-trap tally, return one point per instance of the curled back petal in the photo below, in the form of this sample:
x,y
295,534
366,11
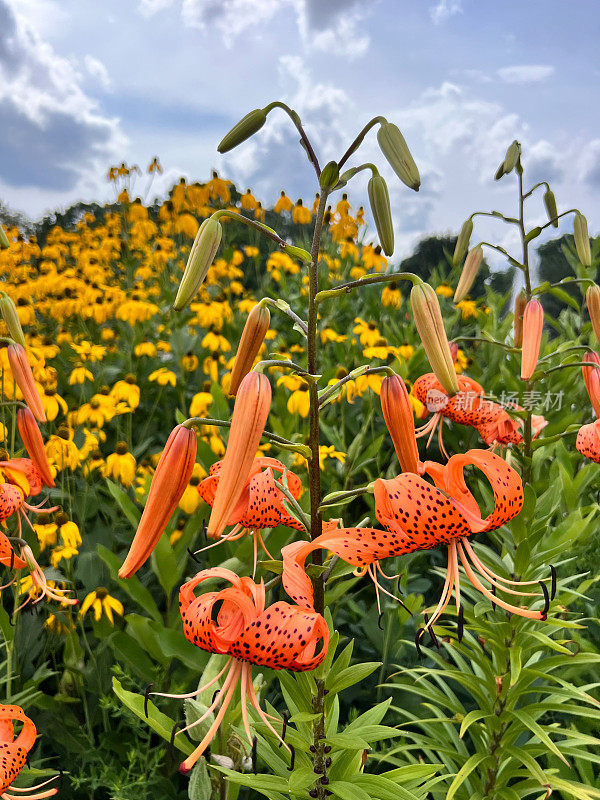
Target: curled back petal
x,y
505,482
284,637
588,441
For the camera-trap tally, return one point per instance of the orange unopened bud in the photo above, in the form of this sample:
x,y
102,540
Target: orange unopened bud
x,y
398,416
250,413
520,304
591,378
430,326
469,273
169,482
251,340
592,298
34,444
17,358
533,324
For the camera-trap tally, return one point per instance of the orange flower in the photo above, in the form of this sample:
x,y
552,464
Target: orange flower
x,y
235,622
15,751
250,414
469,407
17,358
169,482
398,416
533,324
588,441
419,516
591,378
251,340
261,503
34,444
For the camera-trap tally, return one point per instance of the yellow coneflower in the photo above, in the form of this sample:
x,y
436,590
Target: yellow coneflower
x,y
120,465
163,376
102,603
329,451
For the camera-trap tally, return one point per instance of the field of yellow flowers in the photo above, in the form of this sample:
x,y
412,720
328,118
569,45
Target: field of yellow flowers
x,y
510,708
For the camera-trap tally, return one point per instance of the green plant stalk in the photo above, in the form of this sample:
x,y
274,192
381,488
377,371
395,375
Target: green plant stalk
x,y
528,432
314,472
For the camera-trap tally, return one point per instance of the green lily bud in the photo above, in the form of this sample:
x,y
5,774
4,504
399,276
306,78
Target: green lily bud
x,y
329,176
299,253
11,319
4,243
510,160
462,243
520,303
394,148
430,326
551,209
382,214
592,298
469,273
201,256
244,129
582,239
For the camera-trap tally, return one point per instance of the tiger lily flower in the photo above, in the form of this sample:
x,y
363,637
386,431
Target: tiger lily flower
x,y
419,516
533,325
588,441
19,366
279,636
250,413
169,482
591,378
469,407
261,503
14,752
34,444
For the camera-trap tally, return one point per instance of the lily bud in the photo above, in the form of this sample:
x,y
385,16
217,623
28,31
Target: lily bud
x,y
469,273
462,243
592,298
591,378
201,256
520,303
379,200
398,416
430,326
169,482
244,129
299,253
551,209
582,240
34,444
250,413
533,324
4,243
394,148
329,176
251,340
510,160
19,365
11,319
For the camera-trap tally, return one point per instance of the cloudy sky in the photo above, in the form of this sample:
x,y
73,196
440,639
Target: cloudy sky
x,y
85,84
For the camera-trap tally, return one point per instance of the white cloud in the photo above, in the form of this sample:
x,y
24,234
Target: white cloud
x,y
525,73
332,26
444,9
52,133
97,70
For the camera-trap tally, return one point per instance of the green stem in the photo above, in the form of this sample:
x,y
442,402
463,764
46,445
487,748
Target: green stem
x,y
358,141
348,287
314,472
271,437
